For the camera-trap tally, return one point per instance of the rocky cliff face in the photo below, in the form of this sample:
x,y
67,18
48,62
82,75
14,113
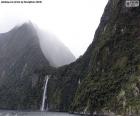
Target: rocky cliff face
x,y
23,67
106,77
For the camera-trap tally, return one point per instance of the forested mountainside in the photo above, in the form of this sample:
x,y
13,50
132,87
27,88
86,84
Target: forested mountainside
x,y
107,76
22,64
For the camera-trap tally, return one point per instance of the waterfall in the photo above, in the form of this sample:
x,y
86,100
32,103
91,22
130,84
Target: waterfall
x,y
44,93
79,81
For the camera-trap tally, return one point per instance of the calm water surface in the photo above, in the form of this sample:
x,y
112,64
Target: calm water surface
x,y
14,113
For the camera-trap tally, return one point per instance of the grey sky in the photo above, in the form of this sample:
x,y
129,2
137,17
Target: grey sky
x,y
72,21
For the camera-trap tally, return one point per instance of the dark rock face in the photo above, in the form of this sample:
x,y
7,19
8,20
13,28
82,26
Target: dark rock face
x,y
108,71
20,52
20,58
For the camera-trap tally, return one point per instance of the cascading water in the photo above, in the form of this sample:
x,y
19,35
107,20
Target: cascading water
x,y
44,94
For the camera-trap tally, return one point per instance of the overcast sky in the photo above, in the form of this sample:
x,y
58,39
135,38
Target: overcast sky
x,y
73,21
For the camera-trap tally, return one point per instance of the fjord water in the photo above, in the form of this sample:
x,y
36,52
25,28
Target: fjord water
x,y
16,113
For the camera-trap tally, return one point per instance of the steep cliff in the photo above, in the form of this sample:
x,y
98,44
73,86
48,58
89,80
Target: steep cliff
x,y
106,77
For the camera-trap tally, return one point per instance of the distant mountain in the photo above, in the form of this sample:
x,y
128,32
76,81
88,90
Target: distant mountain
x,y
54,50
21,58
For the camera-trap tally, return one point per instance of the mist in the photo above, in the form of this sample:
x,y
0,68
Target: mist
x,y
72,21
54,50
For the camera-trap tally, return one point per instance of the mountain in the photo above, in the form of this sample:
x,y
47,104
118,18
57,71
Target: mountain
x,y
107,77
21,59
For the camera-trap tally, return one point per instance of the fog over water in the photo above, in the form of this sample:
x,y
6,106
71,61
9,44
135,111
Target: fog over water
x,y
72,21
